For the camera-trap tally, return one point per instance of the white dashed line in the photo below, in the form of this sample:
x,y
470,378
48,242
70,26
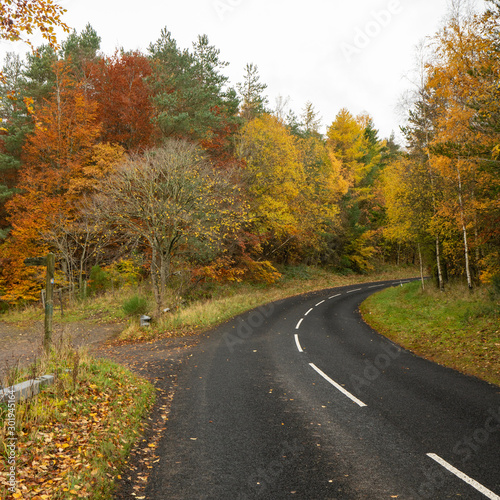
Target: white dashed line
x,y
337,386
298,343
319,303
464,477
333,296
357,290
374,286
298,324
308,312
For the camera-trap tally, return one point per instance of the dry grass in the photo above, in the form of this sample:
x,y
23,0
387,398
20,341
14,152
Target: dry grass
x,y
234,300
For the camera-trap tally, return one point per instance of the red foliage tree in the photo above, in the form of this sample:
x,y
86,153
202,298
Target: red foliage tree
x,y
120,89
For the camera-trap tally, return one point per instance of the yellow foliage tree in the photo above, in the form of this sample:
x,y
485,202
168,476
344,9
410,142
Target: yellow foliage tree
x,y
275,178
463,82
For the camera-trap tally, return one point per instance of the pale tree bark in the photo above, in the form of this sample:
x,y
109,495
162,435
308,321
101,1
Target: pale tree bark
x,y
464,229
438,262
421,265
434,204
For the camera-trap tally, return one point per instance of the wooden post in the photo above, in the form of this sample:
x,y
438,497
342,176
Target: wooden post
x,y
49,262
49,302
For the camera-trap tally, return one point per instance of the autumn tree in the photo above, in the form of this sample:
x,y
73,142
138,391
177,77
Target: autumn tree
x,y
461,79
352,142
347,140
19,19
409,204
173,201
274,174
125,109
419,133
322,192
53,158
295,184
75,234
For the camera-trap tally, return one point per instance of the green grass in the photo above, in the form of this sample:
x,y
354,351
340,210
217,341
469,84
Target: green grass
x,y
457,328
135,305
75,436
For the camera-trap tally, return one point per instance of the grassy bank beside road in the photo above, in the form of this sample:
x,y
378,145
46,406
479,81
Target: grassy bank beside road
x,y
73,439
457,328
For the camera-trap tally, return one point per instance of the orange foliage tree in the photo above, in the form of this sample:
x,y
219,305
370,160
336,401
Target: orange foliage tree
x,y
54,157
463,80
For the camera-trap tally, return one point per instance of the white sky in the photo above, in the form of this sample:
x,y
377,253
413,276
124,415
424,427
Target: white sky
x,y
334,53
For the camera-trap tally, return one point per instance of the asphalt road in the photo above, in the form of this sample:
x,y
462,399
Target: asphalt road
x,y
300,399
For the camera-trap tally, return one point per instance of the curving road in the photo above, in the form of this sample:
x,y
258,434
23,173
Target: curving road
x,y
300,399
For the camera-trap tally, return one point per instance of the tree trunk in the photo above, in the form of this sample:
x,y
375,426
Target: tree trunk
x,y
164,273
421,266
438,263
154,278
464,230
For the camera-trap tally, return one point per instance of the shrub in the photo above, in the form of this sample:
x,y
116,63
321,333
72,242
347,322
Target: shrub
x,y
4,306
261,272
99,280
124,272
135,305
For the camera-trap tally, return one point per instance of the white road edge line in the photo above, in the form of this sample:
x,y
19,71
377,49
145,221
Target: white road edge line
x,y
337,386
319,303
464,477
333,296
357,290
298,324
298,343
308,312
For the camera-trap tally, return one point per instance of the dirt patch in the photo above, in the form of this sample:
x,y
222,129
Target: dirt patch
x,y
20,345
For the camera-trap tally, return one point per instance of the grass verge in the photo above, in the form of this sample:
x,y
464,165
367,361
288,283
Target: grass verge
x,y
72,439
232,300
457,328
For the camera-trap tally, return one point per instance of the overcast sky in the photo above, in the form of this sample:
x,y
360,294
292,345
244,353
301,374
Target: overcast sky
x,y
334,53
